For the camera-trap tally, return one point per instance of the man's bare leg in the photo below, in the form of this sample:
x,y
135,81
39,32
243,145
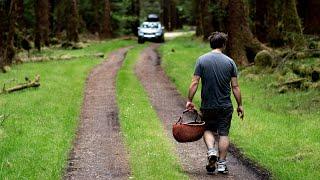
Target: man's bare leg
x,y
209,139
223,147
216,141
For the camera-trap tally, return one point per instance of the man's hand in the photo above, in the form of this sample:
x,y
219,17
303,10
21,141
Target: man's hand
x,y
190,105
240,112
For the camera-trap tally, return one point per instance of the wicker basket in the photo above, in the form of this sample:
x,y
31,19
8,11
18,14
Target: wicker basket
x,y
188,132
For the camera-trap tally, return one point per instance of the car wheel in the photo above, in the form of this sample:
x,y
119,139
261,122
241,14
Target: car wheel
x,y
140,40
162,39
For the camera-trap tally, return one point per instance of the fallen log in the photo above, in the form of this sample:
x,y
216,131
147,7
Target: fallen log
x,y
28,84
294,83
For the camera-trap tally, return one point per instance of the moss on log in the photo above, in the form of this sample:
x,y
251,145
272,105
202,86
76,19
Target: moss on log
x,y
28,84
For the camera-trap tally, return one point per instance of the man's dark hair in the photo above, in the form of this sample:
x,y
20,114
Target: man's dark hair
x,y
218,39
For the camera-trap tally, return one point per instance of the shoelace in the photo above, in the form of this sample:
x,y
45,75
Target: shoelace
x,y
222,163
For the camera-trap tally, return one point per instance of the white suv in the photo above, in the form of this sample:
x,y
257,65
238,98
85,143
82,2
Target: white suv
x,y
150,31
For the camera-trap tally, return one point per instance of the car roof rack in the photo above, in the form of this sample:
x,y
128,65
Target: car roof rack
x,y
153,18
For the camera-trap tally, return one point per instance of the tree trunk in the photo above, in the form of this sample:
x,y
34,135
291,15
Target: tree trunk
x,y
178,20
106,26
169,11
169,15
261,23
8,18
308,11
218,13
42,23
241,46
174,16
292,24
95,27
135,9
37,30
10,53
199,18
3,29
207,19
52,6
278,23
21,25
20,11
268,18
164,14
61,16
312,20
73,22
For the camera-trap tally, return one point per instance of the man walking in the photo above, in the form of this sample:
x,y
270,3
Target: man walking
x,y
216,71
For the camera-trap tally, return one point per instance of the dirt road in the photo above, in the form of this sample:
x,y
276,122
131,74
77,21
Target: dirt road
x,y
98,151
172,35
169,105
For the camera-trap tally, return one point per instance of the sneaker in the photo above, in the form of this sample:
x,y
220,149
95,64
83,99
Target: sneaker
x,y
212,159
222,167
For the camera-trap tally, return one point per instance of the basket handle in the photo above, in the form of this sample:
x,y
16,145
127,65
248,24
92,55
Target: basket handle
x,y
195,112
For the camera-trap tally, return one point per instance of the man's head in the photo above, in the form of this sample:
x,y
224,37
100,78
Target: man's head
x,y
218,40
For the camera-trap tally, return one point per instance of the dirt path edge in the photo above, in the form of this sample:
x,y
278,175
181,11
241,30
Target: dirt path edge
x,y
254,166
98,150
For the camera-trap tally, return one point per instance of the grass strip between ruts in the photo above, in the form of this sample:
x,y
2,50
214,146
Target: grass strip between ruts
x,y
151,153
36,138
280,131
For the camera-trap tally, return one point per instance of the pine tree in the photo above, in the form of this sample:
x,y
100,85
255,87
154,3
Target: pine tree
x,y
42,23
106,31
308,11
8,18
73,21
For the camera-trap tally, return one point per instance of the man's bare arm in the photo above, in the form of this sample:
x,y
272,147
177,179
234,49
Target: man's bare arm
x,y
193,87
192,91
237,95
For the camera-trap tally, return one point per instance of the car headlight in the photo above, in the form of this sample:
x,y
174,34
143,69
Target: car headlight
x,y
158,34
140,33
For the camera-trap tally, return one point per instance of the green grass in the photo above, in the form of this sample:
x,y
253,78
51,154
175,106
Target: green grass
x,y
280,131
151,153
36,138
90,49
179,65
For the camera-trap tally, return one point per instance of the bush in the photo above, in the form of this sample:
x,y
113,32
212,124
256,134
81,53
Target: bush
x,y
263,58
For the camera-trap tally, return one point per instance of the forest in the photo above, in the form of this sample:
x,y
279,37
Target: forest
x,y
252,25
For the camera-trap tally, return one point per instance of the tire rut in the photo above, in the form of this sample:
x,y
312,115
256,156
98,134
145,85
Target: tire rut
x,y
98,151
169,105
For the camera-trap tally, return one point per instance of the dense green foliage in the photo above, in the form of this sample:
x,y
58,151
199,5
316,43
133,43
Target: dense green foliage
x,y
149,148
279,131
123,19
36,138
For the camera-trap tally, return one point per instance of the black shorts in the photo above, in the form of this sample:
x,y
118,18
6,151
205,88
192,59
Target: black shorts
x,y
218,120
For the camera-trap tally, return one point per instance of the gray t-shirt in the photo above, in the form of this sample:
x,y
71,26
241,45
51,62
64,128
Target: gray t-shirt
x,y
215,70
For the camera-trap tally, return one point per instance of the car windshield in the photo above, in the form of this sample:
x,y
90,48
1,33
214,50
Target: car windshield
x,y
148,25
